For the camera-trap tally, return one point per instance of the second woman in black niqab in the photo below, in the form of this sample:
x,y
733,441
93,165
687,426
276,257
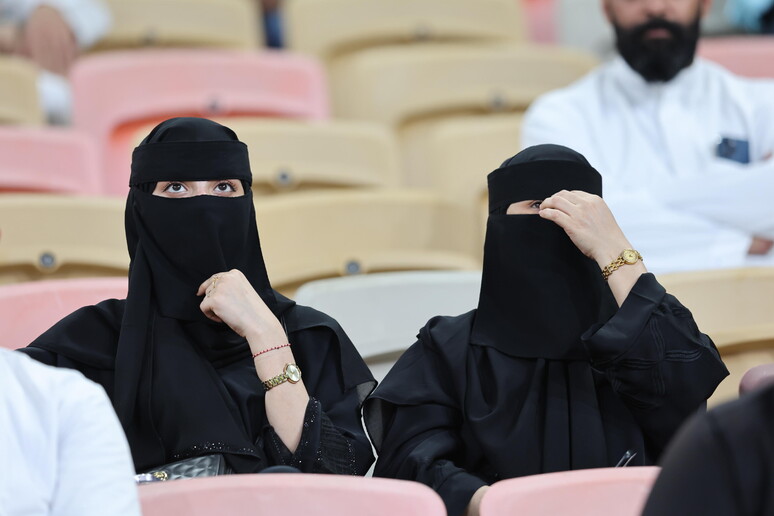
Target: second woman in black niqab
x,y
184,383
548,373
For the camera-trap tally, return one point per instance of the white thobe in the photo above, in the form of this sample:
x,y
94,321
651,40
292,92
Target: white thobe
x,y
62,449
655,144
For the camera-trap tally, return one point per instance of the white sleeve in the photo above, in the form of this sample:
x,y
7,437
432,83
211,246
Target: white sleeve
x,y
95,474
88,19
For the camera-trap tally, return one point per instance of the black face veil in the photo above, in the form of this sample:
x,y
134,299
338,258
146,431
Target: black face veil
x,y
166,344
539,293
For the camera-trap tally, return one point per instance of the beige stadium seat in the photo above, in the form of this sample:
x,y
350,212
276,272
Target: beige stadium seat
x,y
331,28
50,236
395,85
314,235
183,23
19,101
453,155
293,155
736,308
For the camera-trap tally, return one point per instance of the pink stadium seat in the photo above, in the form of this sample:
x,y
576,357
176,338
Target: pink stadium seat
x,y
541,20
756,377
590,492
29,309
287,493
48,160
750,56
117,93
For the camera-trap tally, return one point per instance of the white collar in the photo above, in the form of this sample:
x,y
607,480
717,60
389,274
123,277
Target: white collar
x,y
637,89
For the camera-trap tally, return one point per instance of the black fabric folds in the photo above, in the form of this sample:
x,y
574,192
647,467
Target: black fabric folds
x,y
181,384
547,374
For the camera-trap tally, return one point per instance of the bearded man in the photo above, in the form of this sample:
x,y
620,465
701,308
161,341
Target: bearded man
x,y
684,145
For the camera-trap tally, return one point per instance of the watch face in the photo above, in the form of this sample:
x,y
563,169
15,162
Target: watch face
x,y
293,373
629,256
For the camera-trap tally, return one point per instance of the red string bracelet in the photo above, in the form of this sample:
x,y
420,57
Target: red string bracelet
x,y
271,349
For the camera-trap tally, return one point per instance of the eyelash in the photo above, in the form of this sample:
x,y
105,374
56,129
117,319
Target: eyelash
x,y
536,204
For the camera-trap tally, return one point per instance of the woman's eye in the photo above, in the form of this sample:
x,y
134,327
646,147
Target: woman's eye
x,y
536,205
225,187
174,187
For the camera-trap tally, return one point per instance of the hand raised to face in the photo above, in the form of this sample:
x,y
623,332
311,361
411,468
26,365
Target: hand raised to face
x,y
588,222
231,299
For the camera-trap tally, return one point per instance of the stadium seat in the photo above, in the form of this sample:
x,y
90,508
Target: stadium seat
x,y
315,235
279,493
28,309
734,307
116,93
182,23
48,160
19,102
749,56
292,155
394,85
382,313
453,155
757,377
54,236
332,28
589,492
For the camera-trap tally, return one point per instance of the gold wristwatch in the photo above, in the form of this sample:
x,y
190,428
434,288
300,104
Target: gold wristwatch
x,y
291,373
627,257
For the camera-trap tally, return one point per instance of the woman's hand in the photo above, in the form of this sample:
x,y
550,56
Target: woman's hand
x,y
588,222
592,228
231,299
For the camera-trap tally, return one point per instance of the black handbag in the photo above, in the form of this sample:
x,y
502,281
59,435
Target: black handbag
x,y
202,466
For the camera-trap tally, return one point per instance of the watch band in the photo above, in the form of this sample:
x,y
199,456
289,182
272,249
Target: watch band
x,y
291,373
627,257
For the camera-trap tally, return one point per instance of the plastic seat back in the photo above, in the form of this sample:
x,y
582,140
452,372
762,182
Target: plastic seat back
x,y
733,307
55,236
48,160
293,155
29,309
315,235
757,377
331,28
382,313
589,492
269,494
19,102
442,79
117,93
183,23
749,56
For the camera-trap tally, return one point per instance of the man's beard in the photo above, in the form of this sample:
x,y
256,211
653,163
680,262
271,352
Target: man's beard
x,y
658,59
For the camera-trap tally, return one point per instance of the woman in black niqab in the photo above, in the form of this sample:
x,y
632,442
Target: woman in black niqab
x,y
556,369
176,357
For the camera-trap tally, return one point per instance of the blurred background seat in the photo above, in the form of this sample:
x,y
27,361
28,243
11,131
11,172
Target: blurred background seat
x,y
589,492
292,155
19,101
320,495
383,313
116,93
734,307
330,29
757,377
183,23
42,159
28,309
54,236
315,235
750,56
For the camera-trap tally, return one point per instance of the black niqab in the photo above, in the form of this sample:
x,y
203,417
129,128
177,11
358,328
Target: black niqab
x,y
181,384
532,270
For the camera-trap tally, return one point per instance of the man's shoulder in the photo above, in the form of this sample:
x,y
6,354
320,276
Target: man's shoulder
x,y
576,95
34,376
